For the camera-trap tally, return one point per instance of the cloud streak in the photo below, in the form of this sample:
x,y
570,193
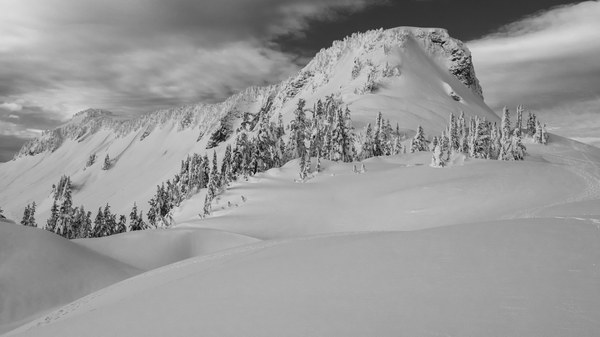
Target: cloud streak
x,y
544,61
62,56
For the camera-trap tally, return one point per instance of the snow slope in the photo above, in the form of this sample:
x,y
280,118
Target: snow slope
x,y
40,270
151,249
536,277
429,69
403,193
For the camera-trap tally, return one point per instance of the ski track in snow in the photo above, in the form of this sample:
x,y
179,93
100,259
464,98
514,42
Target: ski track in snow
x,y
585,168
67,310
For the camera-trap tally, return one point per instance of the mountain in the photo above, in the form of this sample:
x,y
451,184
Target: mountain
x,y
414,76
386,246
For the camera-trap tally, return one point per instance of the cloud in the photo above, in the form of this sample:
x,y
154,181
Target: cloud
x,y
140,55
11,106
544,61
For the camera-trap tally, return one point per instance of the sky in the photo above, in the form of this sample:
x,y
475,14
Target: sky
x,y
58,57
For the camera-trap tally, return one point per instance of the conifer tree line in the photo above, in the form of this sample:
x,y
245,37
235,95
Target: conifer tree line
x,y
324,132
485,140
75,222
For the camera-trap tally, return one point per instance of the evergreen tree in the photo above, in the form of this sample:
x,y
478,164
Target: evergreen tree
x,y
538,137
26,212
437,159
506,128
418,142
52,222
368,143
544,135
378,136
453,134
519,124
121,226
107,163
134,220
531,124
98,230
207,208
518,149
91,160
226,174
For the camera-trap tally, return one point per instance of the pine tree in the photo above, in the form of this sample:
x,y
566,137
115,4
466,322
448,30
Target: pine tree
x,y
134,220
368,146
518,149
121,226
418,142
1,213
453,134
519,124
26,212
464,133
437,159
52,222
98,230
531,124
506,127
85,225
107,163
544,135
91,160
226,174
538,136
207,208
378,136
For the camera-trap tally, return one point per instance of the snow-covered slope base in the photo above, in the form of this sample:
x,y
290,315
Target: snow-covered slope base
x,y
40,270
521,278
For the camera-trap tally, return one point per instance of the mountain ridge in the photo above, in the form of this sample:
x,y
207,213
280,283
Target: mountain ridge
x,y
436,41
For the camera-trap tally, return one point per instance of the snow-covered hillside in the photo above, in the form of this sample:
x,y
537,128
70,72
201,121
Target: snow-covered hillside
x,y
415,77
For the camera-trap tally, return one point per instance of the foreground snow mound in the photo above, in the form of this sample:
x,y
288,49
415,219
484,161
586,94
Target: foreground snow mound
x,y
151,249
40,270
535,277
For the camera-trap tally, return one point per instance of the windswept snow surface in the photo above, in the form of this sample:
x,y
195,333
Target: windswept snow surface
x,y
40,270
535,277
151,249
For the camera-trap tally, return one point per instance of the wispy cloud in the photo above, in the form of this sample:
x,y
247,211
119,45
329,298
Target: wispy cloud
x,y
133,56
544,61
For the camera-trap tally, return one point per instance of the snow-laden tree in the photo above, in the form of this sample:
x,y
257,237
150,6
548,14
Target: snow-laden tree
x,y
367,145
107,164
91,160
437,158
531,124
52,221
505,126
453,134
519,122
518,149
29,215
418,143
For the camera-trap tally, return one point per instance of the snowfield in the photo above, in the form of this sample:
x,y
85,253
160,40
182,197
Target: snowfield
x,y
331,270
535,277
